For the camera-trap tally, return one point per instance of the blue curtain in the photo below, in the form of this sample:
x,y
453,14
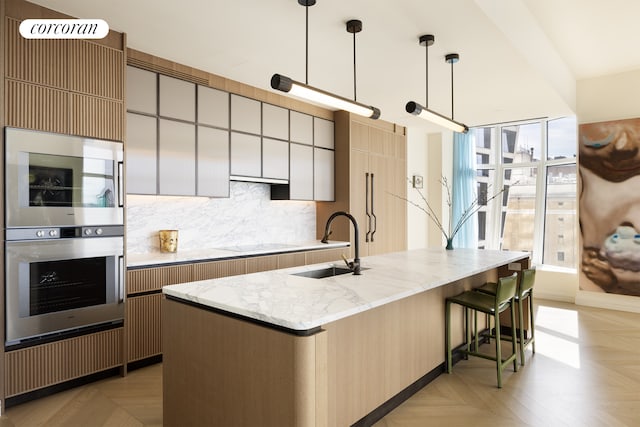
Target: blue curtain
x,y
463,189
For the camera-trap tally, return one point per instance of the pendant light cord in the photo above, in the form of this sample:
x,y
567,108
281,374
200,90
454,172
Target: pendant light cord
x,y
452,89
426,82
306,46
354,67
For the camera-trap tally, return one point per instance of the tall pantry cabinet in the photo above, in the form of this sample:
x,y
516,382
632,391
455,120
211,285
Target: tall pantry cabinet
x,y
371,179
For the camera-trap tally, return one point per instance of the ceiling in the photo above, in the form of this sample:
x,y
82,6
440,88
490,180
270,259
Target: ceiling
x,y
519,59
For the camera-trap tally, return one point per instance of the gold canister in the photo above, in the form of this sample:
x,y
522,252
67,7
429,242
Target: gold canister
x,y
168,240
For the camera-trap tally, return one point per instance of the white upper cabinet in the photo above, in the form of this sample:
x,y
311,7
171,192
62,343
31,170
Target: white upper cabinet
x,y
245,114
177,158
301,172
323,175
213,162
142,150
323,133
142,90
275,122
177,99
213,107
301,128
246,156
275,159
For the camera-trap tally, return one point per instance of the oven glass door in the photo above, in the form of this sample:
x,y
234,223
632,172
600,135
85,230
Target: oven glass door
x,y
59,180
62,284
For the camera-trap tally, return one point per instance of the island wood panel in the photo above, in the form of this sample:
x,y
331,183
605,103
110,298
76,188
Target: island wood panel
x,y
36,107
40,366
374,355
294,259
215,269
226,371
144,327
326,255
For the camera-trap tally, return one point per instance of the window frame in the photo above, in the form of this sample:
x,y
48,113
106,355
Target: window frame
x,y
493,234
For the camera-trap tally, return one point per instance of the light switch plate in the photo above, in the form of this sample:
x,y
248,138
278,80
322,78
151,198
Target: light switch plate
x,y
515,266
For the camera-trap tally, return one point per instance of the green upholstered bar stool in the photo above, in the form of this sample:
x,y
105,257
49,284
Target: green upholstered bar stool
x,y
524,291
489,304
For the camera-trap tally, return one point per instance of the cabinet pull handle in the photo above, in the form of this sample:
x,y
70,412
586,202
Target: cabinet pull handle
x,y
366,206
121,275
375,219
120,184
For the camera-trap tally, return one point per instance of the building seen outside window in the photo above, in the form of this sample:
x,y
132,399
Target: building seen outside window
x,y
536,162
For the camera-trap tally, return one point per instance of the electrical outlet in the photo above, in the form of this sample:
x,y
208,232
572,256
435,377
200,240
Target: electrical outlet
x,y
515,266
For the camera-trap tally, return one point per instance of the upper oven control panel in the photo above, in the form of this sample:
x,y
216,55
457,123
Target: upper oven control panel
x,y
42,233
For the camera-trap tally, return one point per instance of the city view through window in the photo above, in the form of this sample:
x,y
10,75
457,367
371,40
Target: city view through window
x,y
536,162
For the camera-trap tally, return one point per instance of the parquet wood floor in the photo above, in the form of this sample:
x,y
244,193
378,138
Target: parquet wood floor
x,y
586,372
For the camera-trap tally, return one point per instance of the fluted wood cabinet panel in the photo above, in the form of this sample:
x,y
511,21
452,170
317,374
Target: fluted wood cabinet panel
x,y
36,107
215,269
262,263
97,117
153,279
291,260
96,70
326,255
48,364
37,61
144,327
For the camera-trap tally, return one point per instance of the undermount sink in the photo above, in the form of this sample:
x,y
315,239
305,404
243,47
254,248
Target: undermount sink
x,y
325,272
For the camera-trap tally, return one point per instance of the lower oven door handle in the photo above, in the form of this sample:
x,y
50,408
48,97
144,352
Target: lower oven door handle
x,y
121,276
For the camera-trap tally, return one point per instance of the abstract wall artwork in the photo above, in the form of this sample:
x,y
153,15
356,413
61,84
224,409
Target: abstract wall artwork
x,y
609,159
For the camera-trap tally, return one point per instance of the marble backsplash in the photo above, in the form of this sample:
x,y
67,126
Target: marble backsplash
x,y
248,217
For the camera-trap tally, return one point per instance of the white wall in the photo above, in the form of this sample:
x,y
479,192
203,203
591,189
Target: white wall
x,y
249,216
417,221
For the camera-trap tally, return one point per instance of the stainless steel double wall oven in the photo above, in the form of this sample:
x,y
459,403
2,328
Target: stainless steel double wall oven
x,y
64,237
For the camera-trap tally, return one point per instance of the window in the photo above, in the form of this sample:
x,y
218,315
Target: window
x,y
535,162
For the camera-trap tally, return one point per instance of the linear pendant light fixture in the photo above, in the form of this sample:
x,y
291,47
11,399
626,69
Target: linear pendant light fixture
x,y
310,93
424,112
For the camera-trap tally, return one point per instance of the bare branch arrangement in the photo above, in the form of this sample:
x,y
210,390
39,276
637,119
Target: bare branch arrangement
x,y
452,229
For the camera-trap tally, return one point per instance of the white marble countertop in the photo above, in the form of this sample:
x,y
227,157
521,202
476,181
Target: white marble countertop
x,y
299,303
213,254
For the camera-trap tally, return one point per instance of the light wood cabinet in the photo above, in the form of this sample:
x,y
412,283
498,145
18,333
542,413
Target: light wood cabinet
x,y
370,170
32,368
144,327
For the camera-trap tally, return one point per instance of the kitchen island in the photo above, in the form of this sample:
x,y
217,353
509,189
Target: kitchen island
x,y
276,348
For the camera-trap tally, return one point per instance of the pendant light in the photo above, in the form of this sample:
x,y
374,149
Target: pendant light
x,y
310,93
424,112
